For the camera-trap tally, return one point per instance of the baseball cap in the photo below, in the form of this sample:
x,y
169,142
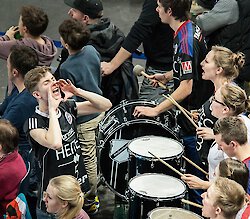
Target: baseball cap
x,y
92,8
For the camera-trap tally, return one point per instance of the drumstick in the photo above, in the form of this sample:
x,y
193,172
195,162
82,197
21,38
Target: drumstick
x,y
166,164
176,103
191,203
182,110
195,165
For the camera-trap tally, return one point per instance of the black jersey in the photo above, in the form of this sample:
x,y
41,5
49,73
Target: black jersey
x,y
66,161
189,50
206,119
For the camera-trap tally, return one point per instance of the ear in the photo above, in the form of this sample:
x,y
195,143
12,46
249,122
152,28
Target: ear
x,y
66,45
233,144
85,19
36,94
219,70
170,11
64,204
218,210
15,72
25,29
226,110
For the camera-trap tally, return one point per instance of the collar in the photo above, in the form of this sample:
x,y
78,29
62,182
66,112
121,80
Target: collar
x,y
44,114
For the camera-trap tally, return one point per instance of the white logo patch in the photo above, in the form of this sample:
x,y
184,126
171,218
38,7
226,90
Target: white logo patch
x,y
68,117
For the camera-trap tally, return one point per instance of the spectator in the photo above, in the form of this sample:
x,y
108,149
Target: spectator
x,y
12,166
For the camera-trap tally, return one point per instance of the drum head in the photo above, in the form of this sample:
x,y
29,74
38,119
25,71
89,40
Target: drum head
x,y
157,186
165,148
172,213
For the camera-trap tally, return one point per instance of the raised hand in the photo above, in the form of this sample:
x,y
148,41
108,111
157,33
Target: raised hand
x,y
11,32
205,133
54,99
67,88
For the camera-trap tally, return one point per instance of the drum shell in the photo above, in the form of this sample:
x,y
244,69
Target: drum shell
x,y
140,205
139,163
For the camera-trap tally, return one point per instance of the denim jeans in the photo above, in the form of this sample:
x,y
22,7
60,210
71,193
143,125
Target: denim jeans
x,y
87,139
191,153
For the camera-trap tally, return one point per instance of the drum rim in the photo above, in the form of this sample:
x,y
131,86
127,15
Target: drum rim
x,y
135,122
156,198
142,157
101,147
173,208
126,103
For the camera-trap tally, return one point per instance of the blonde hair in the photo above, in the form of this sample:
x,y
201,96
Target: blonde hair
x,y
68,189
230,196
229,61
235,98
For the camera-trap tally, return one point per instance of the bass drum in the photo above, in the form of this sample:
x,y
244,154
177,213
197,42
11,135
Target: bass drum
x,y
117,129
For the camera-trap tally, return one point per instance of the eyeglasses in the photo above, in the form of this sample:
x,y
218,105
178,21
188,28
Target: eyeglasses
x,y
217,101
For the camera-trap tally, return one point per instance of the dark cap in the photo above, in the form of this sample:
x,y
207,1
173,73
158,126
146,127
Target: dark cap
x,y
92,8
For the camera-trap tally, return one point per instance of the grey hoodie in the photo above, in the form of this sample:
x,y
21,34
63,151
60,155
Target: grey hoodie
x,y
46,52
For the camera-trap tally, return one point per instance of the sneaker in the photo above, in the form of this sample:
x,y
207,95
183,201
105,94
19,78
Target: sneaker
x,y
92,207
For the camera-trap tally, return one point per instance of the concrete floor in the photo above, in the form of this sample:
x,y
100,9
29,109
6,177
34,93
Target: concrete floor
x,y
122,13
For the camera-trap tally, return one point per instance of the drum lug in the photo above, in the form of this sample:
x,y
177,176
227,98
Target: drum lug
x,y
152,165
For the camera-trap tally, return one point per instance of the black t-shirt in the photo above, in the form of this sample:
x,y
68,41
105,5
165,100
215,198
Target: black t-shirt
x,y
68,160
189,50
157,38
205,120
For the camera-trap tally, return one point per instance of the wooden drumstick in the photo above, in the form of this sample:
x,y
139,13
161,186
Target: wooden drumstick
x,y
166,164
182,110
176,103
139,70
191,203
195,165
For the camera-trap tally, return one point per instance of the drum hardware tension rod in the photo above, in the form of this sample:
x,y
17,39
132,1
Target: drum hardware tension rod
x,y
183,110
168,165
195,165
191,203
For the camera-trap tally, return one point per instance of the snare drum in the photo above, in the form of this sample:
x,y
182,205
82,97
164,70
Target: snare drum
x,y
172,213
165,148
150,190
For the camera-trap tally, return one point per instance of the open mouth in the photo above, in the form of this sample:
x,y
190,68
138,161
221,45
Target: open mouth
x,y
56,90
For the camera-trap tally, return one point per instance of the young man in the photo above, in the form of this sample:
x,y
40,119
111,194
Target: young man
x,y
157,40
107,39
33,22
82,68
52,129
231,137
12,167
20,105
190,90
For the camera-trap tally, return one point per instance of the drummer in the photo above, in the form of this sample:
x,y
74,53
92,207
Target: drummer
x,y
223,199
190,89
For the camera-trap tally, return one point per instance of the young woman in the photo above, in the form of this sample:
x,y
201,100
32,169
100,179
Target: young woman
x,y
220,66
64,198
229,100
223,199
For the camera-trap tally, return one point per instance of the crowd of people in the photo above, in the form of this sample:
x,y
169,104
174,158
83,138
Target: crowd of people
x,y
50,116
